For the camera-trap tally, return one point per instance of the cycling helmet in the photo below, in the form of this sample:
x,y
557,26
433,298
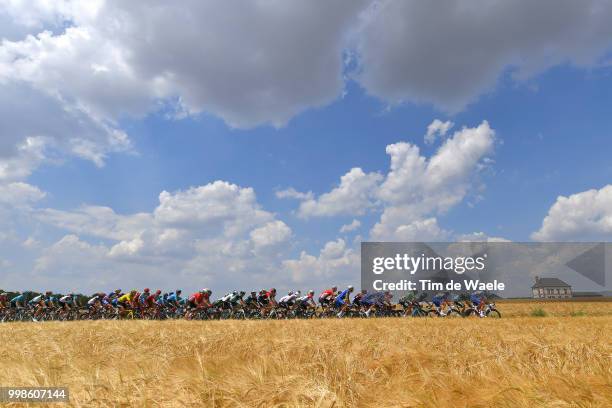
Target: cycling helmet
x,y
158,292
209,291
311,292
273,290
350,288
48,293
178,291
334,288
242,293
147,290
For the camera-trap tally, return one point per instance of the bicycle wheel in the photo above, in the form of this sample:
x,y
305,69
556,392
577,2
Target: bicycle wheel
x,y
494,314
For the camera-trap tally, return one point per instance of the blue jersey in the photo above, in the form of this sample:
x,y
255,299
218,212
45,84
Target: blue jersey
x,y
475,298
19,298
342,297
377,298
438,299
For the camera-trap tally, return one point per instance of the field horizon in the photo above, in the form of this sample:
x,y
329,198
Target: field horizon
x,y
521,360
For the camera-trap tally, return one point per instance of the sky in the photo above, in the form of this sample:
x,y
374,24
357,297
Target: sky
x,y
257,143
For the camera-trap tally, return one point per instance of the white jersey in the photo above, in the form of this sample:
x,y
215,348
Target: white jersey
x,y
37,299
307,299
288,298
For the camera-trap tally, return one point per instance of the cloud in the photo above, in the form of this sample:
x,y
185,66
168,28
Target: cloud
x,y
355,224
415,188
216,208
37,127
97,221
270,235
294,194
584,216
250,63
479,237
437,128
448,53
199,234
70,71
352,196
335,261
20,194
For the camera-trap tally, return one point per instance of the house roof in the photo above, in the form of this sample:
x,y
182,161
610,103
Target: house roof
x,y
550,282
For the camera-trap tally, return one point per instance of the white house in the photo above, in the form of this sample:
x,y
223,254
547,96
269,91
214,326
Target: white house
x,y
551,288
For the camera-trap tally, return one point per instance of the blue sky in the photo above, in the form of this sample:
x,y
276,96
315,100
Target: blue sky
x,y
554,136
99,122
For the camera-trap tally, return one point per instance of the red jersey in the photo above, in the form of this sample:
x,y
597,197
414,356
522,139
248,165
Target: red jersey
x,y
198,297
326,293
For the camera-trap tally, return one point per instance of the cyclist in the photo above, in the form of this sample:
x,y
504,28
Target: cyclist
x,y
113,296
4,303
174,298
289,299
267,300
151,300
18,301
343,300
327,296
39,303
224,302
95,302
199,300
142,298
359,296
477,299
236,299
127,301
307,301
408,303
376,300
149,304
51,301
67,301
439,299
251,301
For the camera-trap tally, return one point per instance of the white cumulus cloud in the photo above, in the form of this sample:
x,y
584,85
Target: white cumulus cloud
x,y
584,216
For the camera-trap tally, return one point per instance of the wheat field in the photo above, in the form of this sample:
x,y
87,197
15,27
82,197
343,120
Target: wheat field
x,y
561,360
